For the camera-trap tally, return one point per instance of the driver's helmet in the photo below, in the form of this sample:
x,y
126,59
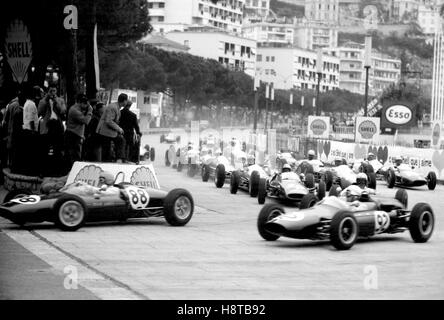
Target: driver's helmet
x,y
353,193
107,178
190,145
311,154
338,162
286,168
398,161
233,142
361,180
250,159
371,156
147,147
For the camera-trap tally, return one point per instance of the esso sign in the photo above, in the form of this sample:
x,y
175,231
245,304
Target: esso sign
x,y
398,114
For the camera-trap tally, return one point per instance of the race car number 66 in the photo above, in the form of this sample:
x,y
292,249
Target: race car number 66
x,y
31,199
138,197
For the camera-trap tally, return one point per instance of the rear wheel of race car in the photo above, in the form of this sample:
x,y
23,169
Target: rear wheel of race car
x,y
321,190
219,179
167,160
402,196
179,166
308,201
69,212
205,173
309,180
267,213
17,193
371,180
306,168
162,138
391,178
152,154
335,190
178,207
234,182
344,230
431,180
253,186
422,222
328,176
262,191
366,168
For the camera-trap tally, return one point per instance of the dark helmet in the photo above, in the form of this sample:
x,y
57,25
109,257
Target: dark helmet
x,y
361,179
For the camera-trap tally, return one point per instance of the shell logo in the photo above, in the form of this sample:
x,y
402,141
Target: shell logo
x,y
318,127
367,129
89,174
144,177
398,114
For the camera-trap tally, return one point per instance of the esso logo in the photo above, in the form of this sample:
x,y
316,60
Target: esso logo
x,y
398,114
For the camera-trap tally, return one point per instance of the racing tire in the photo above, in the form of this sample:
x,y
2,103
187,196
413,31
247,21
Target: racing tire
x,y
306,168
322,190
421,223
366,168
167,160
309,180
234,182
219,178
328,176
267,213
371,180
192,169
70,212
308,201
152,154
162,138
431,180
262,191
335,190
179,167
17,193
402,196
205,173
391,178
253,185
178,207
344,230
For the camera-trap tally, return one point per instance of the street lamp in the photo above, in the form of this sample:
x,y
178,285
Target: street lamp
x,y
256,86
367,65
319,64
267,90
272,105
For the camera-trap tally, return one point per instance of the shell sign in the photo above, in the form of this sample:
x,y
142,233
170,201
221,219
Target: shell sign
x,y
18,49
398,115
367,129
318,127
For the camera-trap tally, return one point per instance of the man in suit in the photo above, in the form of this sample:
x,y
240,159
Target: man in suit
x,y
111,132
128,122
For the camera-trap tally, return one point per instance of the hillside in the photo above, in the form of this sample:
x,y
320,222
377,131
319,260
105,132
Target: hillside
x,y
285,9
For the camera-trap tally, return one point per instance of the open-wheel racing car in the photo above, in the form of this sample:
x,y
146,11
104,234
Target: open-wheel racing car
x,y
343,222
247,179
288,187
77,203
403,175
344,176
218,168
169,138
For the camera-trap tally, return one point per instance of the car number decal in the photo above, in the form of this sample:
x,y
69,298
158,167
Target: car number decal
x,y
138,197
382,221
31,199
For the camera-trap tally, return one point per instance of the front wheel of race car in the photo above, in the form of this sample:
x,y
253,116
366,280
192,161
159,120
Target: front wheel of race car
x,y
328,176
402,196
205,172
219,179
167,160
262,191
268,213
178,207
431,180
371,180
234,182
17,193
391,178
192,169
421,223
309,180
321,190
308,201
344,230
152,154
254,184
70,212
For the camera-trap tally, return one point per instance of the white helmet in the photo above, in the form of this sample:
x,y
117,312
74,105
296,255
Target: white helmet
x,y
311,153
361,179
286,168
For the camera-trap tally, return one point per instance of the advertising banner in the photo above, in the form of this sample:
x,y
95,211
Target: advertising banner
x,y
139,175
436,133
367,129
18,49
398,115
318,127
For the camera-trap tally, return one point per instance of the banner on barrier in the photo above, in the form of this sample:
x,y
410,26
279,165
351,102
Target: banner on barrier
x,y
139,175
436,133
367,129
318,127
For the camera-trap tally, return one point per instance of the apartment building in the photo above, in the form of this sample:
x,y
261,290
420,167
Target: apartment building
x,y
429,19
271,32
326,11
292,67
256,9
315,34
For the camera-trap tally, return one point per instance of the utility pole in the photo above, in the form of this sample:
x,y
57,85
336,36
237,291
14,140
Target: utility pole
x,y
367,66
267,96
256,97
272,106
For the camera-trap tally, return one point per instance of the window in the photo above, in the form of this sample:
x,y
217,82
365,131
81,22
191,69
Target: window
x,y
221,60
161,5
161,30
160,19
264,4
186,43
259,57
150,5
267,58
272,59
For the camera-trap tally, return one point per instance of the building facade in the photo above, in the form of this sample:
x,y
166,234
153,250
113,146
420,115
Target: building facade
x,y
322,10
256,9
428,18
165,15
383,71
271,32
313,35
291,67
233,51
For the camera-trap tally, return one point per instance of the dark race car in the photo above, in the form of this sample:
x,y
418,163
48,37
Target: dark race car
x,y
247,179
288,187
343,222
344,176
404,176
218,168
169,138
78,203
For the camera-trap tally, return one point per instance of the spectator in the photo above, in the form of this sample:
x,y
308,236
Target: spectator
x,y
79,115
17,157
129,124
30,130
92,138
110,131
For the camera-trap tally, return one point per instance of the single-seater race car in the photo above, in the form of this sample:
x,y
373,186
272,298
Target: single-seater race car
x,y
247,179
344,176
169,138
218,168
285,158
288,187
343,222
77,203
403,175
